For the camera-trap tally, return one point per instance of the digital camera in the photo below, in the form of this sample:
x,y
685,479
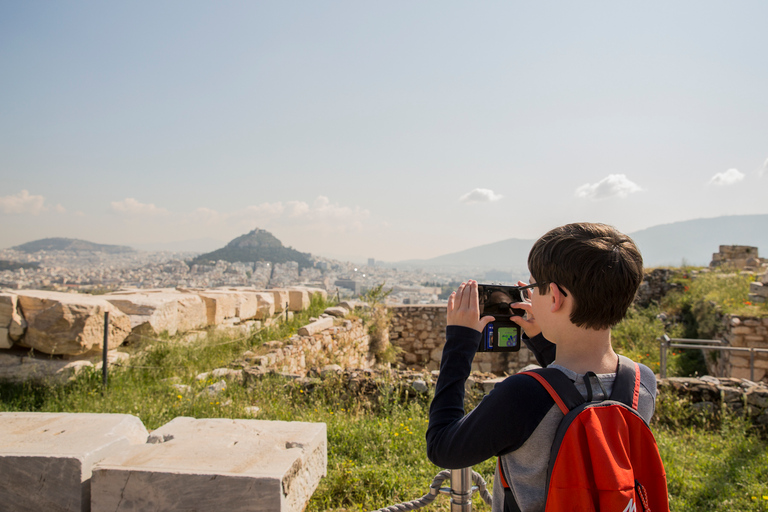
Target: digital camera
x,y
501,335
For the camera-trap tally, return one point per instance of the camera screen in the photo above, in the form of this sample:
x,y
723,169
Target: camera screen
x,y
496,299
508,336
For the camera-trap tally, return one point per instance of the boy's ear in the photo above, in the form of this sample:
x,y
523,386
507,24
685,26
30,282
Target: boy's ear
x,y
556,297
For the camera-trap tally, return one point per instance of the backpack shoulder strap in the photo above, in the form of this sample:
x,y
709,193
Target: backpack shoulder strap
x,y
626,387
562,389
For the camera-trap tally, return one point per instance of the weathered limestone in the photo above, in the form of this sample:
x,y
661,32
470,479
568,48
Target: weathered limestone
x,y
316,326
298,300
46,458
281,299
12,322
219,305
70,323
336,311
266,305
19,365
155,311
243,465
311,291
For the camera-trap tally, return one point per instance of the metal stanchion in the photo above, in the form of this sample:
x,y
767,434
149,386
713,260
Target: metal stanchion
x,y
461,490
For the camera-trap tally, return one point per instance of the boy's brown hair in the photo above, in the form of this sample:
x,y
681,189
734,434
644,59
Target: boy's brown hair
x,y
600,266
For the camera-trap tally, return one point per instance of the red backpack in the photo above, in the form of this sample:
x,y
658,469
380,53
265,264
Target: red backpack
x,y
604,456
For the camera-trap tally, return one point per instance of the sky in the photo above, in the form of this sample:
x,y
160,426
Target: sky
x,y
389,130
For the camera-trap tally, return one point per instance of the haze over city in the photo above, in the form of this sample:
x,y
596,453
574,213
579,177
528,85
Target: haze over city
x,y
392,130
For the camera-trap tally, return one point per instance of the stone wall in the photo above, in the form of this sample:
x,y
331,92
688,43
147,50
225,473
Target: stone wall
x,y
738,256
419,330
346,345
708,395
744,332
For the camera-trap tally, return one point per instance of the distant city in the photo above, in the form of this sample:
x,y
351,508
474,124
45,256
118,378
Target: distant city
x,y
101,272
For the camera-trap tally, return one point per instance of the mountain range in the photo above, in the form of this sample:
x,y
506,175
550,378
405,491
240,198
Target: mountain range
x,y
689,242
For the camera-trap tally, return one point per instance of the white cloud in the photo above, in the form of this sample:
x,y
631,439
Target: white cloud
x,y
23,202
613,185
320,216
131,206
480,195
728,177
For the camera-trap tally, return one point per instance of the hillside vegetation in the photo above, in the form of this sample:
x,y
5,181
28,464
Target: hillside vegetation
x,y
258,245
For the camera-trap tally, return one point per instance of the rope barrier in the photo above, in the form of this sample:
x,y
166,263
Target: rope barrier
x,y
436,489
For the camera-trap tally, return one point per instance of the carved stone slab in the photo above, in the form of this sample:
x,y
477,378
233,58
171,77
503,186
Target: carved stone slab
x,y
215,464
46,458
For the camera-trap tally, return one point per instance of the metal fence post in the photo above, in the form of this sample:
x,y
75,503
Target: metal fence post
x,y
752,364
104,351
461,490
663,356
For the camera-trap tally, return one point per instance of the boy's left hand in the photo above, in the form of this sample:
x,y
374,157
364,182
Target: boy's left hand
x,y
464,308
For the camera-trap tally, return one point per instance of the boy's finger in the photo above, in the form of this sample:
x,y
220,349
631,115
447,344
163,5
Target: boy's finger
x,y
451,297
522,305
464,295
473,297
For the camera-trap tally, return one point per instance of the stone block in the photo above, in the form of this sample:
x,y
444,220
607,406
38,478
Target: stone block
x,y
5,339
312,291
298,300
11,317
282,300
70,323
160,311
316,326
46,459
215,464
219,305
758,289
266,307
336,311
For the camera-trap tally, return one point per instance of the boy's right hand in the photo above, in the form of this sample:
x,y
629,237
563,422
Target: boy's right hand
x,y
464,308
528,322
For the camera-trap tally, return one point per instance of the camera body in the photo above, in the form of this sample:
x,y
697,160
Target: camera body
x,y
501,335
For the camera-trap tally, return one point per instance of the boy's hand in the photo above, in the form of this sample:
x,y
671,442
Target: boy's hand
x,y
464,308
528,322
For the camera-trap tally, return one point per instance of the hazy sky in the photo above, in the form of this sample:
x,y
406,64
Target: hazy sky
x,y
391,130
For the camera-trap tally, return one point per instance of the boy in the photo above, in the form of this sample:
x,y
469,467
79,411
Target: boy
x,y
583,279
